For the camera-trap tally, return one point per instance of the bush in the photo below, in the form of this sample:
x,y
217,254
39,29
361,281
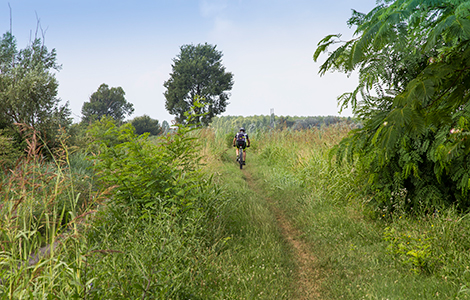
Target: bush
x,y
159,175
154,236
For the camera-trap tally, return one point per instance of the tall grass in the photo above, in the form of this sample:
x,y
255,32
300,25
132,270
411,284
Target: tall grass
x,y
43,206
253,261
209,234
363,254
64,236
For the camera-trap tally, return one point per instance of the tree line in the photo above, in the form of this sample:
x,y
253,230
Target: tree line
x,y
229,124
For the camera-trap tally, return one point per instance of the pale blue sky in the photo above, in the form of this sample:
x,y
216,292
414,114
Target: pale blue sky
x,y
267,45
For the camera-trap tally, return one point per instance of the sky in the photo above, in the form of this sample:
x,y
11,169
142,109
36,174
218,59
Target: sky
x,y
268,45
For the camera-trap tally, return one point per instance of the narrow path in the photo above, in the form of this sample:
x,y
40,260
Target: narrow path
x,y
307,276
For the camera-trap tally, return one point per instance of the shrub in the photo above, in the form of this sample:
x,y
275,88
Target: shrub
x,y
160,175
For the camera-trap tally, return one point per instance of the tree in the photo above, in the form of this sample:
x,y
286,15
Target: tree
x,y
413,96
28,91
107,102
145,124
198,73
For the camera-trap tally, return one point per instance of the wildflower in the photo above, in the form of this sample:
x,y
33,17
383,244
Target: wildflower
x,y
385,123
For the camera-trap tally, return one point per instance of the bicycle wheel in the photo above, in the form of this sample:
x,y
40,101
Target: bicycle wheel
x,y
240,157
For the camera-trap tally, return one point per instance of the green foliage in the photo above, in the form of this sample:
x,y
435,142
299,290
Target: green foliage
x,y
147,254
78,136
393,256
145,124
28,92
106,102
43,208
9,151
413,63
197,71
156,238
54,246
159,175
410,250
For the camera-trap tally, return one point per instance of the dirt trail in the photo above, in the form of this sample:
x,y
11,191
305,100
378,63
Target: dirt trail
x,y
307,277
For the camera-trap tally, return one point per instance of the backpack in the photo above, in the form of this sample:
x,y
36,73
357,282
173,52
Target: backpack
x,y
241,137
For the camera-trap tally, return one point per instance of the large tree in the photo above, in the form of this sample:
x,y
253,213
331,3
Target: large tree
x,y
413,96
107,102
198,73
28,90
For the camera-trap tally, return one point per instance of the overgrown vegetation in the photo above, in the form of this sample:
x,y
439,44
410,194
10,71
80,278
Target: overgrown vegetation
x,y
148,221
413,100
361,255
126,216
142,221
44,208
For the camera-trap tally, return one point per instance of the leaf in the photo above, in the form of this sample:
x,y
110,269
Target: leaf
x,y
422,90
324,44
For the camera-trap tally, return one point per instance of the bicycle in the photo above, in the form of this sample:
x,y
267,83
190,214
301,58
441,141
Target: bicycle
x,y
240,155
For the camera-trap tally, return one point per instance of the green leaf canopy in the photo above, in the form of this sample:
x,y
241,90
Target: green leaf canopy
x,y
198,73
107,102
145,124
28,90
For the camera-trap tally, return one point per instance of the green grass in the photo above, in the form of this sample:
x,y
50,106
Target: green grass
x,y
225,245
42,210
255,262
361,256
228,244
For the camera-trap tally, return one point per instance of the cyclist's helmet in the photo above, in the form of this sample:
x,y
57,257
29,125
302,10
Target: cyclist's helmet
x,y
242,129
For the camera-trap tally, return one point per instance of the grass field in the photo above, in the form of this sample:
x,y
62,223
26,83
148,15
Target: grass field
x,y
360,255
291,225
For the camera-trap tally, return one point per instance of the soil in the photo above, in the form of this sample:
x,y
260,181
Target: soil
x,y
307,278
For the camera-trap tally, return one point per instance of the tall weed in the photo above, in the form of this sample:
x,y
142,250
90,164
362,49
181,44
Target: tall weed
x,y
42,214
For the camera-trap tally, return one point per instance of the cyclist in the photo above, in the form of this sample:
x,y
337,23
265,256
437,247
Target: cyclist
x,y
241,138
